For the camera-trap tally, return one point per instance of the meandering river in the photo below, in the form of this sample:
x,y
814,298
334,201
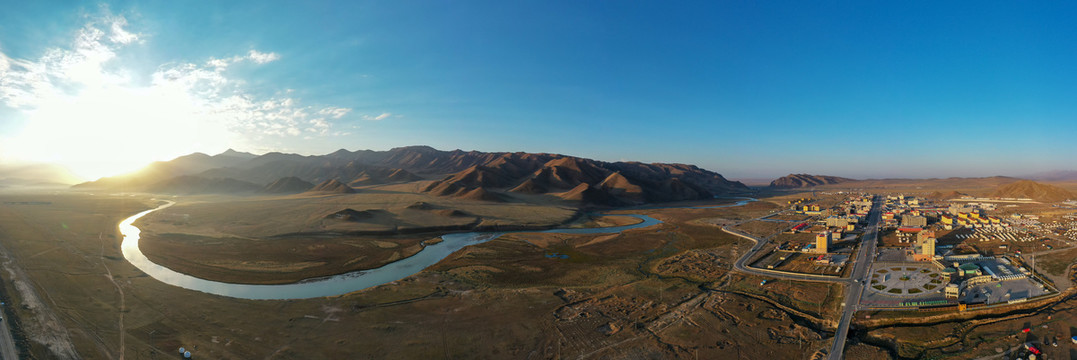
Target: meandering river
x,y
343,283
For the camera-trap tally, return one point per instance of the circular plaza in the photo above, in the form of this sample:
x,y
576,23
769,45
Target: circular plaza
x,y
905,279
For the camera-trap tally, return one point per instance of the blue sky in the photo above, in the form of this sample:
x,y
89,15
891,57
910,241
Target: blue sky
x,y
747,89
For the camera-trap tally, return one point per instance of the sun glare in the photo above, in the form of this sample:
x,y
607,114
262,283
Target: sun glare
x,y
80,108
112,129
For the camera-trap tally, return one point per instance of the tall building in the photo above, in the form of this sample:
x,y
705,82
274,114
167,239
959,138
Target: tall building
x,y
924,235
924,250
822,242
913,220
928,247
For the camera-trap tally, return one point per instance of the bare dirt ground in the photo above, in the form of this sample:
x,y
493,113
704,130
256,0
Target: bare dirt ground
x,y
761,229
990,336
664,291
301,236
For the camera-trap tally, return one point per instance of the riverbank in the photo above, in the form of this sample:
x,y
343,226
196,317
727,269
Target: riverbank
x,y
296,258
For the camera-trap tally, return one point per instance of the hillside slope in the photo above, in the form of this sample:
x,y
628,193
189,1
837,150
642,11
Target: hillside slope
x,y
793,181
587,181
1028,189
464,174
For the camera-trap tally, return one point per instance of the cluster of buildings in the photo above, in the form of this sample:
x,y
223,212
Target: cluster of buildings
x,y
970,219
844,218
967,271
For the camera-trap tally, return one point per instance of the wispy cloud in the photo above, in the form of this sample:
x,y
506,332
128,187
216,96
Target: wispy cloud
x,y
253,55
118,34
383,116
192,103
334,112
262,58
89,65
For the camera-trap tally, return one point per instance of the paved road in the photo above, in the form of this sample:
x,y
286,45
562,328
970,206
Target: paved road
x,y
741,264
855,290
7,343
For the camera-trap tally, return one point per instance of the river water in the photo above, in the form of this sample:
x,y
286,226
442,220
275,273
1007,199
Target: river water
x,y
343,283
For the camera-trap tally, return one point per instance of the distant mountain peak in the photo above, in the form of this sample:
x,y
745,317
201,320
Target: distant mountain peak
x,y
792,181
233,153
341,152
422,148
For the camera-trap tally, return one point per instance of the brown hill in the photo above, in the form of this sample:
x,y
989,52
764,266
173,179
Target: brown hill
x,y
288,185
332,186
961,184
585,193
619,186
160,171
480,194
452,213
562,177
352,215
422,205
198,185
469,179
792,181
945,196
530,186
1027,189
461,172
381,175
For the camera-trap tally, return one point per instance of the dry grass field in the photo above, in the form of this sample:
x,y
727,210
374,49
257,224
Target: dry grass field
x,y
762,229
664,291
306,236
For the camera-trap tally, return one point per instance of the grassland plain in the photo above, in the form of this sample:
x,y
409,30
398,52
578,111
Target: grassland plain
x,y
301,237
619,297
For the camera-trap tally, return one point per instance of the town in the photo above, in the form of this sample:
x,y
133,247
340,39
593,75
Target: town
x,y
920,254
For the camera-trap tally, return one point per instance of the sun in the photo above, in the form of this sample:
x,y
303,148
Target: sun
x,y
115,129
91,108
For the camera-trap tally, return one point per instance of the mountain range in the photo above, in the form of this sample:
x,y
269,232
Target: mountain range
x,y
804,180
490,176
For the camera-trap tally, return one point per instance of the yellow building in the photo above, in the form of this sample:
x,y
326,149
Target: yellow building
x,y
928,248
946,219
822,242
963,215
953,291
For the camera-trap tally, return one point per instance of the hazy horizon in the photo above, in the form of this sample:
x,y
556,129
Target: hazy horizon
x,y
730,176
743,89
